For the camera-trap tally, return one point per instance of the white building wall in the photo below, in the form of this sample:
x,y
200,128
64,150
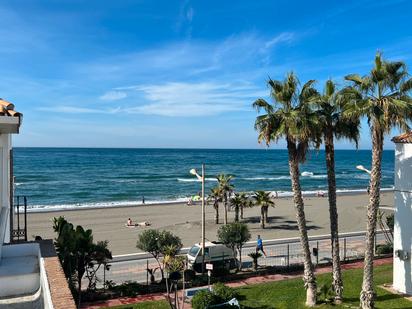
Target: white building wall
x,y
402,276
5,144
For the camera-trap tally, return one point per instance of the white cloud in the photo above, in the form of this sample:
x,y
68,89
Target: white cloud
x,y
284,37
113,95
67,109
195,99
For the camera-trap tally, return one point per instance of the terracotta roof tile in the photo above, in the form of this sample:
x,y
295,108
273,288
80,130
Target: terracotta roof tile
x,y
405,138
7,109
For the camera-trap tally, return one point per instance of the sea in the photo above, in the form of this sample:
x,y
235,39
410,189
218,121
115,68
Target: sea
x,y
67,178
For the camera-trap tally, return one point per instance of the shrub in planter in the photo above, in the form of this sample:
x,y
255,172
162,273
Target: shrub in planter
x,y
223,293
384,249
203,299
255,256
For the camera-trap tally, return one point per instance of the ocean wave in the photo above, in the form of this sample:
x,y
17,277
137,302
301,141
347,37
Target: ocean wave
x,y
280,194
195,179
266,178
312,175
91,205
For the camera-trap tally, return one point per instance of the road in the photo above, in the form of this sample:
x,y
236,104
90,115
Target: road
x,y
280,252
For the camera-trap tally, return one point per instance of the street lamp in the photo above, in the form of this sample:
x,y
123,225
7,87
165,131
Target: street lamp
x,y
362,168
202,179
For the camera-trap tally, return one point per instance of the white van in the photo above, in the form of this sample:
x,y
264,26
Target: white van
x,y
215,253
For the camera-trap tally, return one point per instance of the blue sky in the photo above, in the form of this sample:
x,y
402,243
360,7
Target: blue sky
x,y
178,73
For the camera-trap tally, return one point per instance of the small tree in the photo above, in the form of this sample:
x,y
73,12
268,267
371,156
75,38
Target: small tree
x,y
159,243
238,202
234,236
255,256
216,197
78,253
225,188
263,200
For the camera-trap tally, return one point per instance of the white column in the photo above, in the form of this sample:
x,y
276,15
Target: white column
x,y
402,277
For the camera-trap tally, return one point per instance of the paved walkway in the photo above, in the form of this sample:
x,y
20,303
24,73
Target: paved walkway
x,y
248,281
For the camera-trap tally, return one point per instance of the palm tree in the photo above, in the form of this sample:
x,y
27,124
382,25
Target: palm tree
x,y
216,197
226,189
383,97
289,116
246,203
332,123
237,202
262,199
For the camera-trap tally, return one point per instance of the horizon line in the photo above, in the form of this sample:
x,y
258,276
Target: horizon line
x,y
187,148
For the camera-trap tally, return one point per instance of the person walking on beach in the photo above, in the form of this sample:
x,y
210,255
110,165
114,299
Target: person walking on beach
x,y
143,200
259,245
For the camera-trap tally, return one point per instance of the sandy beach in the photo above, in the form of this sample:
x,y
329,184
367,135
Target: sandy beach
x,y
184,221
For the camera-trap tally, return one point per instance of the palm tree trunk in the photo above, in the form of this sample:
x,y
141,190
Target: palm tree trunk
x,y
266,214
225,204
241,212
216,206
262,218
309,275
333,214
237,214
367,295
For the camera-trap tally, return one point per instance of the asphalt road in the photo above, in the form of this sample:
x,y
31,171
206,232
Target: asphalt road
x,y
280,252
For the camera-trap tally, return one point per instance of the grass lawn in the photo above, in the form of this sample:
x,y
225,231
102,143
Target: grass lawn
x,y
146,305
290,293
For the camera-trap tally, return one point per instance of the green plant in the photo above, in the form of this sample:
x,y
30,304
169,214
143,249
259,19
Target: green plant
x,y
325,293
223,293
263,199
255,256
129,289
234,236
203,299
384,249
159,243
78,254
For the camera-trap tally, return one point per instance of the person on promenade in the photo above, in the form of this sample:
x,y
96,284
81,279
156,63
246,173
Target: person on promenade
x,y
259,245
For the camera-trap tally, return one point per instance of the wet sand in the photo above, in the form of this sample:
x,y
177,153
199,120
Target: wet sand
x,y
184,221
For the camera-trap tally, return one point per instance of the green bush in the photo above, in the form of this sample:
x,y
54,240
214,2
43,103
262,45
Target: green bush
x,y
203,299
223,292
220,294
129,289
384,249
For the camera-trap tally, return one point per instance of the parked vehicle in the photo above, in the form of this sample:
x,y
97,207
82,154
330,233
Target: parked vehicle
x,y
215,253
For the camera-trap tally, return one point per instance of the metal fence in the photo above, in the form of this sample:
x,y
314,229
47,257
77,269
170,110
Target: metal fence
x,y
280,252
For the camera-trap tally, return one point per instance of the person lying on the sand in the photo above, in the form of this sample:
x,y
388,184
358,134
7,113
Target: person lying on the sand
x,y
131,224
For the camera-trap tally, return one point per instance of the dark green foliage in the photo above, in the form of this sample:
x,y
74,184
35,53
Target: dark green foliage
x,y
159,243
220,294
203,299
390,221
255,256
325,293
79,254
234,236
129,289
223,292
384,249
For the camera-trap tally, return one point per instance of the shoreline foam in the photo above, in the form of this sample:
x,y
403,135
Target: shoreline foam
x,y
121,204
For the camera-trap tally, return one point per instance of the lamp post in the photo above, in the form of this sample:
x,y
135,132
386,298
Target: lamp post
x,y
202,179
362,168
